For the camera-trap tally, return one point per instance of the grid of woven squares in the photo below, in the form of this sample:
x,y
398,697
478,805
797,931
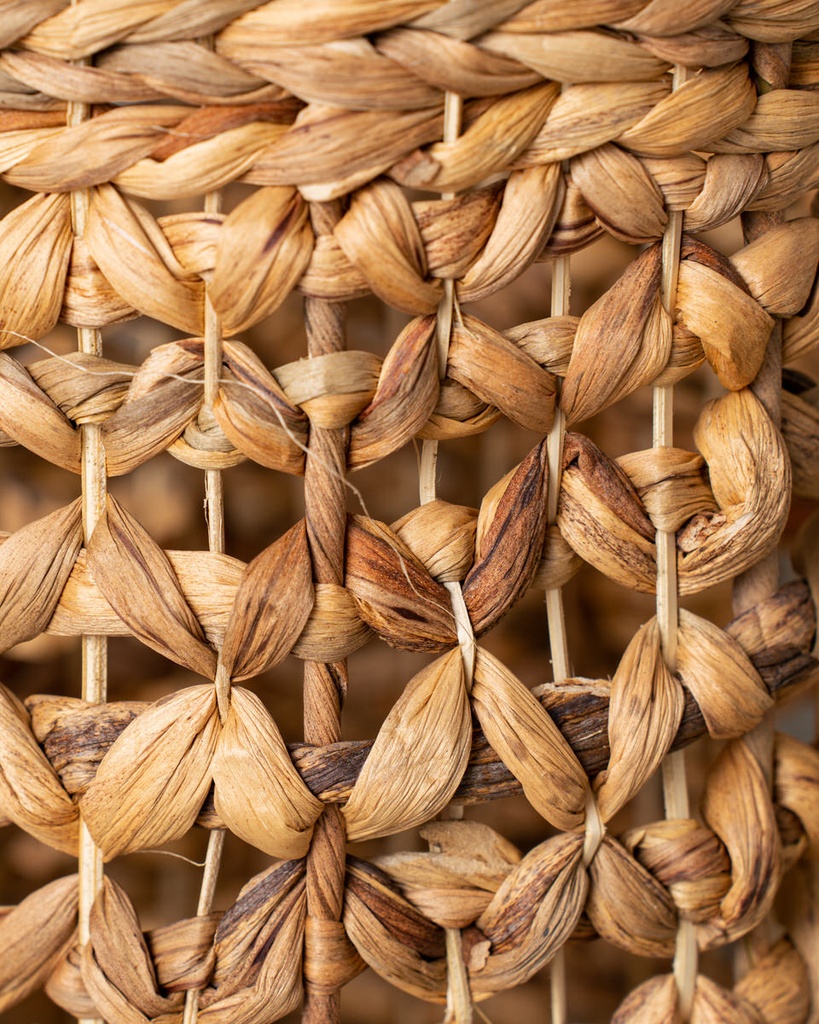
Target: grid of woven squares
x,y
426,153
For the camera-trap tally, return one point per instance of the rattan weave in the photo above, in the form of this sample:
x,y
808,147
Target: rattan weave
x,y
206,167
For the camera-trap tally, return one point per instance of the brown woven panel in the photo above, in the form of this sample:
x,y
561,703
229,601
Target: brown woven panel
x,y
409,449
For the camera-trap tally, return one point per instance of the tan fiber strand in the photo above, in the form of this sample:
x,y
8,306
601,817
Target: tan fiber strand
x,y
310,237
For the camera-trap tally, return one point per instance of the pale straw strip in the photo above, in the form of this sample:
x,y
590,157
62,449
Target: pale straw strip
x,y
555,616
94,491
458,996
215,515
675,785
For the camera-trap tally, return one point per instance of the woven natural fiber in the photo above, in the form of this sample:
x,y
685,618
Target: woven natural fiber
x,y
247,243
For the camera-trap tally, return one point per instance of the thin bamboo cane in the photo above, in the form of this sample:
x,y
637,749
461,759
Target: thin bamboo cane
x,y
94,493
675,785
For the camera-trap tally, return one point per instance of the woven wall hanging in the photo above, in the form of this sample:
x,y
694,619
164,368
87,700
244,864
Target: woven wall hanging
x,y
409,453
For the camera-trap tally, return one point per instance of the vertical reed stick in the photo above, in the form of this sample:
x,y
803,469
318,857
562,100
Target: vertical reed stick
x,y
459,999
94,493
675,786
215,515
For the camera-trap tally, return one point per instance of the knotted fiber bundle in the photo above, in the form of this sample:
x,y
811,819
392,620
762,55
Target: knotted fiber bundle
x,y
245,243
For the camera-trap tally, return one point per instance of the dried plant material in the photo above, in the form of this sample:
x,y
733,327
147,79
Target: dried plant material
x,y
116,966
330,151
93,152
490,144
732,327
780,266
34,936
130,249
777,986
253,925
531,202
380,237
622,341
452,64
349,74
626,200
750,478
575,228
779,120
332,388
152,782
737,806
34,254
29,416
800,334
406,395
458,413
529,743
601,517
558,564
89,300
259,795
391,936
515,521
532,914
65,986
627,906
182,953
797,785
577,56
442,536
731,182
800,428
202,166
77,740
88,389
264,246
272,605
126,561
653,1002
256,415
418,757
716,1005
688,860
672,485
453,883
586,116
644,715
161,401
30,793
35,563
394,593
333,629
728,689
549,342
455,231
501,374
676,124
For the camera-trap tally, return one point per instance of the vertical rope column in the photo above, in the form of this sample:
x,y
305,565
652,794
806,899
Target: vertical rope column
x,y
459,999
772,62
325,685
94,493
675,786
555,615
215,515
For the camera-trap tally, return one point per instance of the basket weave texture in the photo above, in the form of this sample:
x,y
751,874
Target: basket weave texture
x,y
211,165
